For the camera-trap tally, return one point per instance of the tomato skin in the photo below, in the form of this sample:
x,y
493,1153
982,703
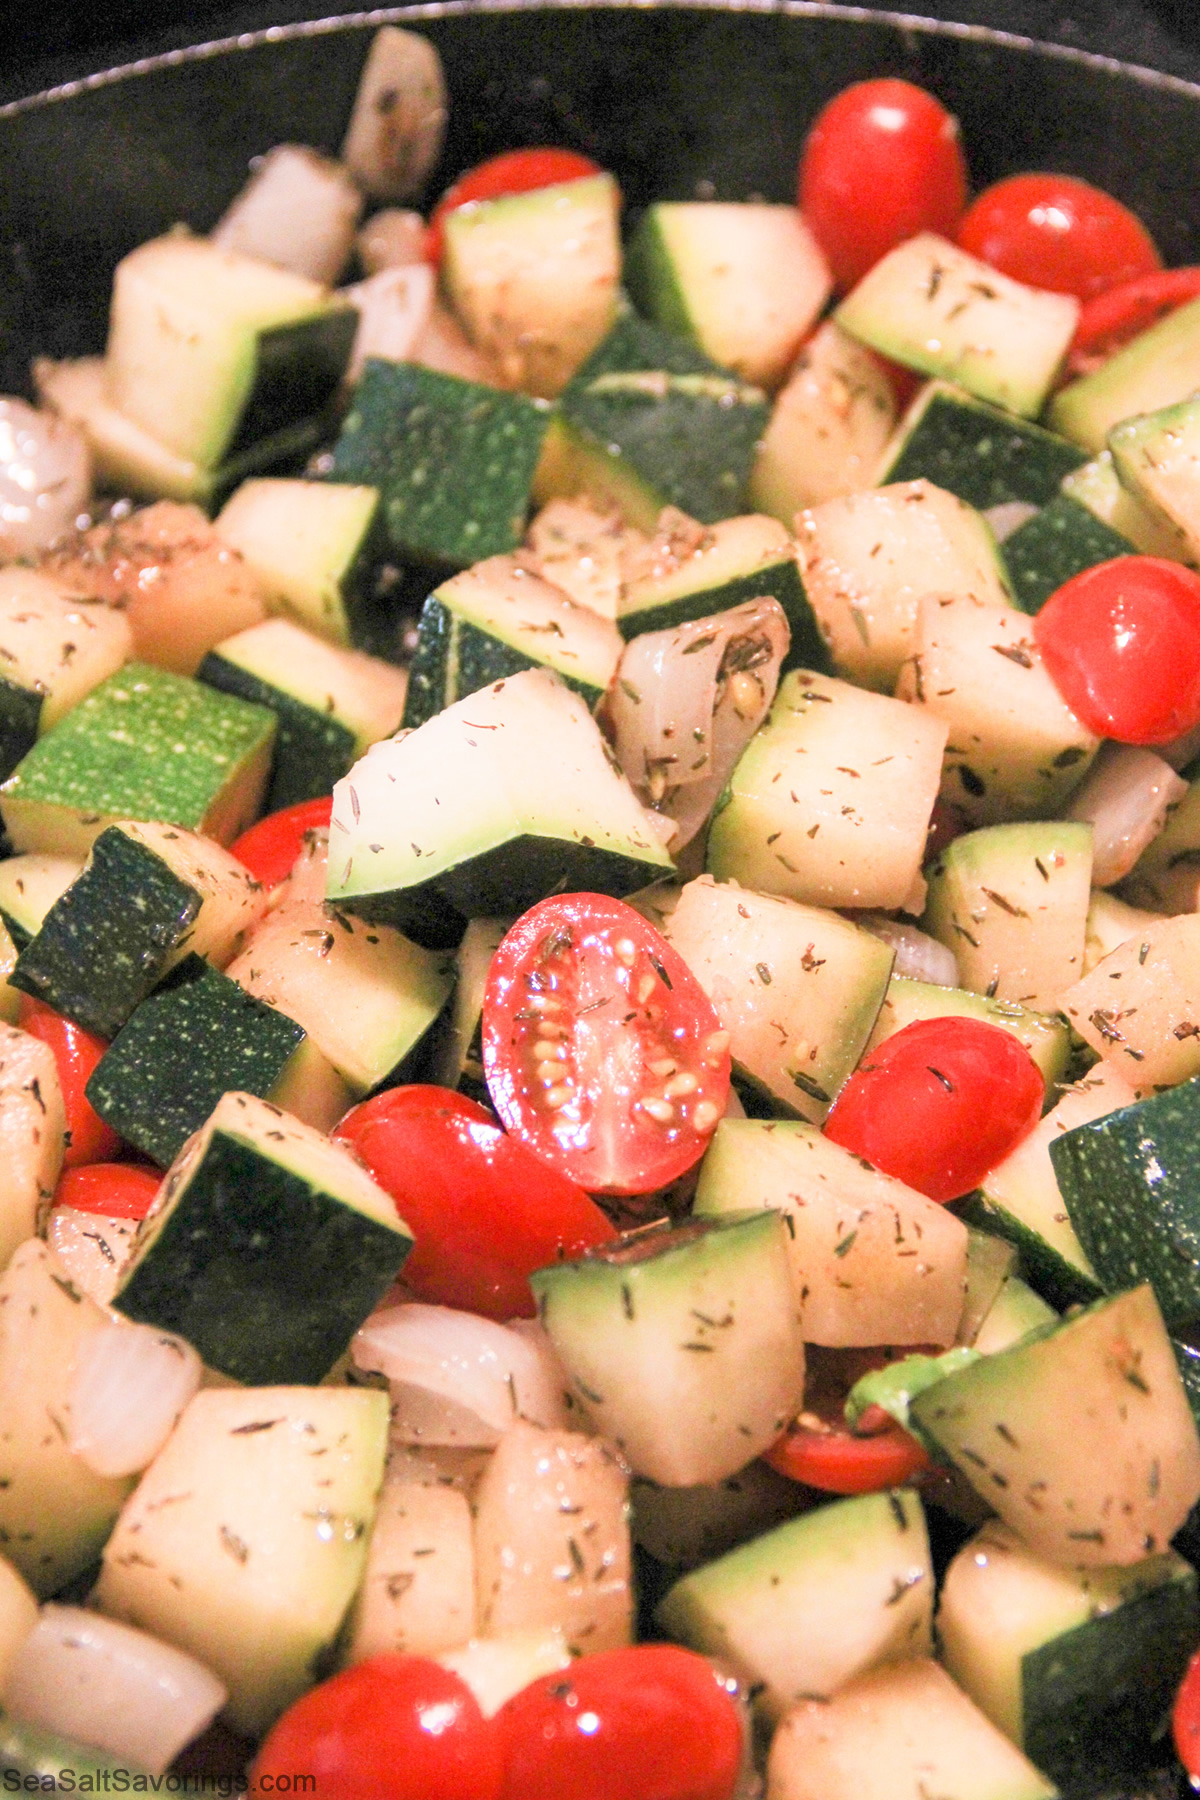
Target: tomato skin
x,y
390,1728
512,172
76,1053
939,1103
644,1060
1122,313
841,1461
1121,642
1185,1720
882,162
1056,232
270,848
111,1190
647,1723
485,1212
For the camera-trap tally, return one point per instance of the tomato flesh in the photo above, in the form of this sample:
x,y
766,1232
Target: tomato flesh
x,y
939,1103
512,172
1056,232
1185,1720
76,1053
601,1050
820,1450
110,1190
1121,641
648,1723
485,1211
882,162
1122,313
270,848
390,1728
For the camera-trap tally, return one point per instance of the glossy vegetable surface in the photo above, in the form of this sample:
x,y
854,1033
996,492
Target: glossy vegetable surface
x,y
1056,232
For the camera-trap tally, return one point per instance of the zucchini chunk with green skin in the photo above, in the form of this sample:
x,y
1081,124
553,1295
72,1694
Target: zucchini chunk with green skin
x,y
1139,1008
1077,1666
1166,876
1016,1311
270,1246
1121,1482
904,1732
830,801
828,428
454,461
246,1538
193,1039
873,1261
684,1345
1157,456
10,998
457,1057
503,798
126,458
534,278
331,704
313,545
1097,486
1111,921
984,455
144,745
1044,1034
1011,901
1157,368
937,308
148,896
1058,542
797,988
805,1608
991,1262
55,1513
211,352
29,886
496,619
33,1127
54,648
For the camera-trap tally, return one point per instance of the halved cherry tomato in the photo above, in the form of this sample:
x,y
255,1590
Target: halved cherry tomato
x,y
882,162
822,1451
390,1728
111,1190
939,1103
485,1211
76,1052
602,1052
1185,1721
270,848
1056,232
1122,313
648,1723
1121,642
512,172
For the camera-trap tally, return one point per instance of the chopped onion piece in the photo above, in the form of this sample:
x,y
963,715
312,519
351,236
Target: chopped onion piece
x,y
1125,798
394,308
458,1379
92,1249
299,210
918,956
391,239
1008,517
686,702
398,122
130,1384
112,1686
45,478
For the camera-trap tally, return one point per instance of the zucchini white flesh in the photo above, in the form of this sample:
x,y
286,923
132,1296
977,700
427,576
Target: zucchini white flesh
x,y
54,648
417,1595
126,458
298,211
497,1668
1098,487
1157,456
827,430
991,1263
1140,1006
1159,367
303,540
938,309
1016,1311
33,1126
10,997
29,886
1111,921
361,693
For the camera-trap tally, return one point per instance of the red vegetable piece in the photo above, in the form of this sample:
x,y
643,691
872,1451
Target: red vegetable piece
x,y
1056,232
270,848
1122,313
939,1104
1121,642
840,1461
110,1190
882,162
512,172
602,1051
76,1052
485,1210
1185,1720
647,1723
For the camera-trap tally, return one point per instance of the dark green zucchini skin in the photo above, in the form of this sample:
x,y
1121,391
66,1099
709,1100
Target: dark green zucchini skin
x,y
192,1040
20,713
267,1274
776,581
454,461
1061,540
104,945
312,750
1060,1284
454,658
985,456
296,376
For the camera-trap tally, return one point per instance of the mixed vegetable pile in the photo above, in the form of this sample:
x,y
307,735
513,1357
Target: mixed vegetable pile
x,y
597,1181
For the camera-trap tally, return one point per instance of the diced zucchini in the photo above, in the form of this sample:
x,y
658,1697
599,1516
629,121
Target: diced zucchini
x,y
1157,456
1097,486
312,544
10,998
457,1060
496,1668
1139,1009
1166,877
1157,368
1110,922
983,455
29,886
1045,1035
828,427
54,649
1016,1311
126,458
33,1136
991,1263
1060,541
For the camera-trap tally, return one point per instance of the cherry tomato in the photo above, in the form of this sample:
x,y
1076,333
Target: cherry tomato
x,y
939,1103
512,172
111,1190
485,1211
1185,1720
76,1052
390,1728
270,848
1122,313
822,1451
1121,642
1056,232
602,1052
648,1723
882,162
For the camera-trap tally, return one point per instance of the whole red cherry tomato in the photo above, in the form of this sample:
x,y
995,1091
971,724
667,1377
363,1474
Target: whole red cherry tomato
x,y
882,162
485,1210
111,1190
1120,314
76,1052
822,1451
270,848
648,1723
512,172
1121,642
939,1103
602,1052
1056,232
1185,1720
390,1728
